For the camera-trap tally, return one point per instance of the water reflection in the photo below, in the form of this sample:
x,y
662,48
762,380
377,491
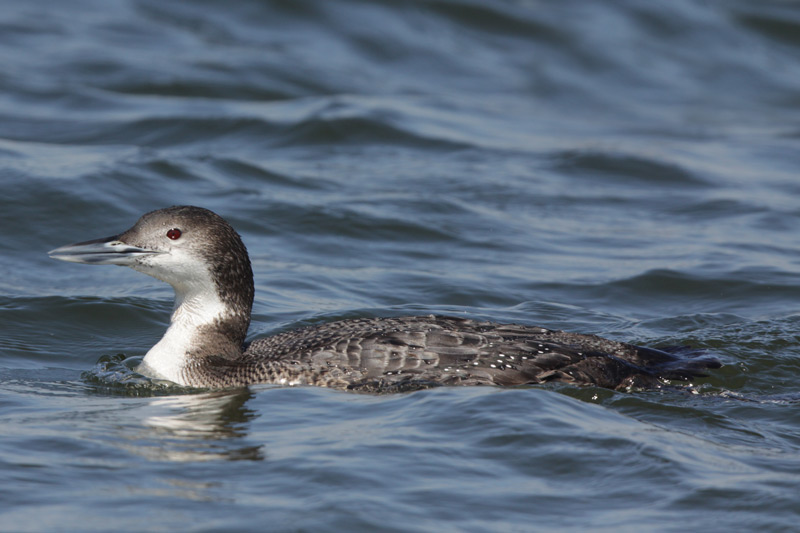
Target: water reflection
x,y
198,427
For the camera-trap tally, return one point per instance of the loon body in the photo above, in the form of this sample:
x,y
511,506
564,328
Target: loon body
x,y
206,262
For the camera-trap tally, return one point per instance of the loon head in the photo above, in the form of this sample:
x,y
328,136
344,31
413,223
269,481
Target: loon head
x,y
185,246
204,259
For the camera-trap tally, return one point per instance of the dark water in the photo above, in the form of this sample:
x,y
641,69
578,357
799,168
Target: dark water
x,y
624,168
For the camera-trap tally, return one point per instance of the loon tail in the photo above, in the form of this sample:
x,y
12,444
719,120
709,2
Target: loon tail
x,y
678,362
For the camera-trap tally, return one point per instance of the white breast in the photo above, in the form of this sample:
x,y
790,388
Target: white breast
x,y
168,358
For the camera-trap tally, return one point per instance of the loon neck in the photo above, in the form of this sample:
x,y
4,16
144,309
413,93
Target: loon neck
x,y
204,323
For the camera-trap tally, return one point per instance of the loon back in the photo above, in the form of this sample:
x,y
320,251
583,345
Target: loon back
x,y
412,352
207,264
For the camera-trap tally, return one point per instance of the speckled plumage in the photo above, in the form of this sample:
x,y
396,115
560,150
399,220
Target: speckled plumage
x,y
404,353
212,270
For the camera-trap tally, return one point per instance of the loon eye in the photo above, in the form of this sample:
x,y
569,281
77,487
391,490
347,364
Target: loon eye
x,y
174,234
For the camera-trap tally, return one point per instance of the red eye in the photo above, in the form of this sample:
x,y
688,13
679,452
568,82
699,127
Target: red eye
x,y
174,234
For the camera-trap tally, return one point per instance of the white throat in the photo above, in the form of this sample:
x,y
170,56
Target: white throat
x,y
195,306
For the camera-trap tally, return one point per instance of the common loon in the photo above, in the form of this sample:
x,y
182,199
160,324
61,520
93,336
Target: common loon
x,y
204,259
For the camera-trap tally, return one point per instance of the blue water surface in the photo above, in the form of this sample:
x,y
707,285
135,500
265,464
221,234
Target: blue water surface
x,y
623,168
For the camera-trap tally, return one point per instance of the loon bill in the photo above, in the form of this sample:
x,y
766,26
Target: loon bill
x,y
203,258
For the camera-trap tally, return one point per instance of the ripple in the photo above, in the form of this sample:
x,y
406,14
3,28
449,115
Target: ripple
x,y
116,374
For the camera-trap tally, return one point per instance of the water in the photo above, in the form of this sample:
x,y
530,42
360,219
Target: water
x,y
625,168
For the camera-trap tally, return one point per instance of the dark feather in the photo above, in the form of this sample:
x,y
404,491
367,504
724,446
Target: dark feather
x,y
406,353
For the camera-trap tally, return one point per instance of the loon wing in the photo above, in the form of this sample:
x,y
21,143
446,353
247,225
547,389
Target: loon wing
x,y
383,353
